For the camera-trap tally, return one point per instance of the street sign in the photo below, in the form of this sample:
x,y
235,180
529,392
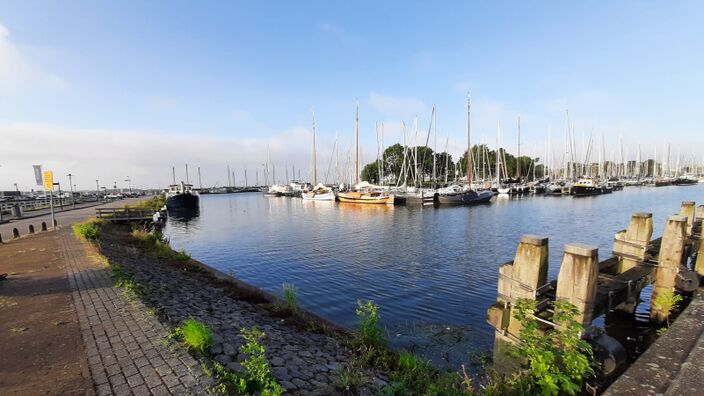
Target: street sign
x,y
49,180
38,174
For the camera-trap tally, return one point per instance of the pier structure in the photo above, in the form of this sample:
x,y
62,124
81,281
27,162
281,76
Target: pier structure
x,y
598,287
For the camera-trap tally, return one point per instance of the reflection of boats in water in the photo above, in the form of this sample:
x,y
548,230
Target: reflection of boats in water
x,y
181,196
184,214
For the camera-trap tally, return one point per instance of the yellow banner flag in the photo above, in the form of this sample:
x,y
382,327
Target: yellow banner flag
x,y
49,180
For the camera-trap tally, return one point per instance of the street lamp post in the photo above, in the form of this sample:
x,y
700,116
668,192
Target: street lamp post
x,y
70,184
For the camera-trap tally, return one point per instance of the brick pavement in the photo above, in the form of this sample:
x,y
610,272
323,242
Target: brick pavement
x,y
126,346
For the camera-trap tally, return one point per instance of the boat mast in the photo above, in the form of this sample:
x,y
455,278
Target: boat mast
x,y
315,168
200,182
435,145
518,158
498,153
173,172
469,142
187,174
356,158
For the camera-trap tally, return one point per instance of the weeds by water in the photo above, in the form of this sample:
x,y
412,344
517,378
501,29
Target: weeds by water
x,y
291,296
196,336
155,203
156,243
88,230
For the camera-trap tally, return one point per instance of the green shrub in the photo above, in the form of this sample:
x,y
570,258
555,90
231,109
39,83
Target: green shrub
x,y
88,230
196,335
667,302
368,327
556,361
155,242
257,375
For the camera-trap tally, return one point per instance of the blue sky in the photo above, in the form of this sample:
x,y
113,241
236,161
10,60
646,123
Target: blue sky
x,y
215,83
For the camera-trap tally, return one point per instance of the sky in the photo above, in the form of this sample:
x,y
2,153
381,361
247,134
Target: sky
x,y
109,90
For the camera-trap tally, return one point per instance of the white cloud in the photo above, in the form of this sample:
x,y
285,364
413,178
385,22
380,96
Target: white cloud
x,y
111,155
328,27
16,70
397,106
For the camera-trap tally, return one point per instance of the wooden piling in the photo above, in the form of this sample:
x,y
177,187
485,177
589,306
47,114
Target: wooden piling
x,y
577,280
670,257
699,263
687,210
519,279
631,245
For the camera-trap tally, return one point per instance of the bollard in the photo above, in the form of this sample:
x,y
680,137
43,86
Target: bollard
x,y
577,280
631,245
687,209
699,212
670,257
518,279
0,238
699,263
15,233
31,229
43,225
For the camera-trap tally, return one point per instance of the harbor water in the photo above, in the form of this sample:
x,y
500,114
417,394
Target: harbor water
x,y
432,271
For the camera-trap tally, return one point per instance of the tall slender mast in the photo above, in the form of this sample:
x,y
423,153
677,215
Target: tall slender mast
x,y
200,182
498,155
187,182
469,142
356,153
315,167
435,145
518,159
173,172
229,182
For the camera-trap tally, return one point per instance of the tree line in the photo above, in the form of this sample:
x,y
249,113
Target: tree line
x,y
414,165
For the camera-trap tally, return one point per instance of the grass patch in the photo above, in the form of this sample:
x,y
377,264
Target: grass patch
x,y
157,244
155,203
88,230
196,335
290,294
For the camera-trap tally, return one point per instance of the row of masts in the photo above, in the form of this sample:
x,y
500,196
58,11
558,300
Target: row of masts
x,y
590,161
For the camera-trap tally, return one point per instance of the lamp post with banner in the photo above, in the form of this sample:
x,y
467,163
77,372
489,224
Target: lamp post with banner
x,y
49,188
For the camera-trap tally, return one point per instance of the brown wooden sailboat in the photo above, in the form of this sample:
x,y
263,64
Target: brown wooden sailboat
x,y
363,197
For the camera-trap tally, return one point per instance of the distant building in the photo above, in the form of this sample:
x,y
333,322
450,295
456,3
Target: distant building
x,y
8,194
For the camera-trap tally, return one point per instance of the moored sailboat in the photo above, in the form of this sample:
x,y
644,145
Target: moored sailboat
x,y
456,195
362,196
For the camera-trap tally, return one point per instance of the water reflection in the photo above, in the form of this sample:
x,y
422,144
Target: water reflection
x,y
433,271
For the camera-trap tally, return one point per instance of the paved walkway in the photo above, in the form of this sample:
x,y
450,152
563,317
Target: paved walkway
x,y
107,338
66,217
673,365
125,345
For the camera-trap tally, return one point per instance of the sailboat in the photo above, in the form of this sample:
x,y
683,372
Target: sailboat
x,y
454,195
319,192
363,196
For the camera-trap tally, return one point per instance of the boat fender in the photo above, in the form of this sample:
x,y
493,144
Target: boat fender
x,y
687,280
607,350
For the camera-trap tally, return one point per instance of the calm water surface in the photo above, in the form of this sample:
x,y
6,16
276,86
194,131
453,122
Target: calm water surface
x,y
433,271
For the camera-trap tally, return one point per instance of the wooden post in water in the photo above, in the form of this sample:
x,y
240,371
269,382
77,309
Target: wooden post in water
x,y
577,280
669,260
518,279
631,244
699,263
687,210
